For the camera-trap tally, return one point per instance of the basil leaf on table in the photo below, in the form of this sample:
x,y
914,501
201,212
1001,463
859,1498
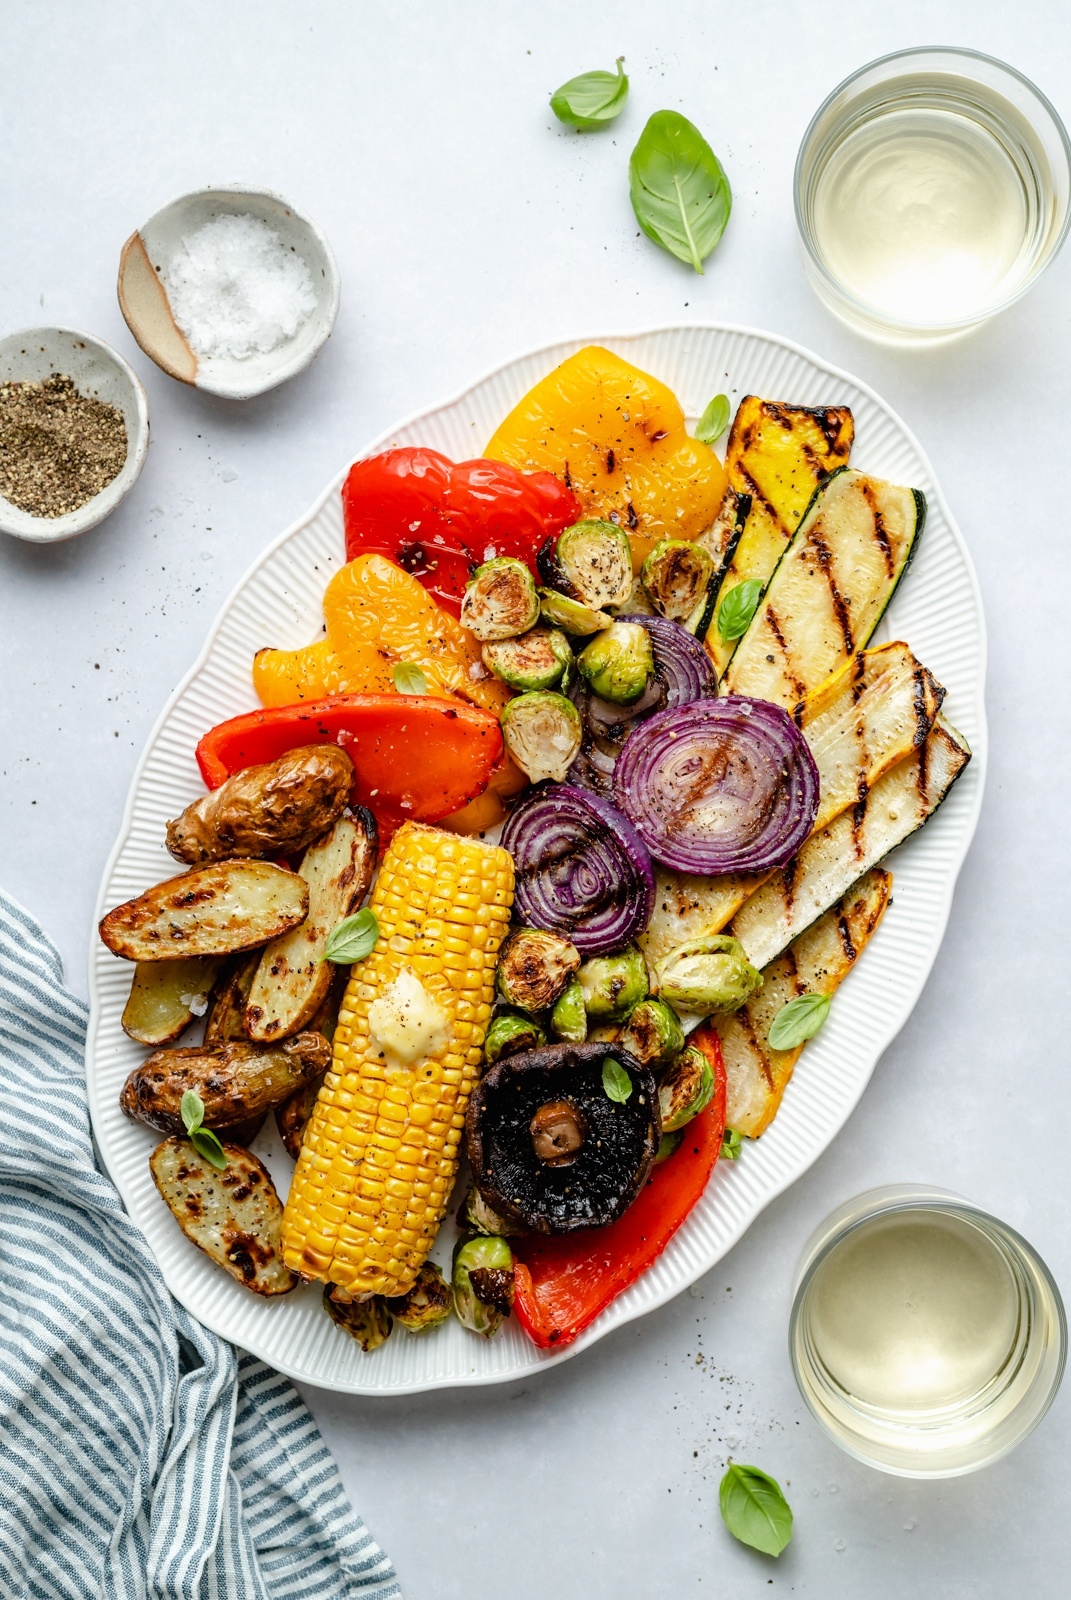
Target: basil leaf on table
x,y
353,939
754,1510
798,1021
592,100
408,678
616,1081
679,190
715,419
738,608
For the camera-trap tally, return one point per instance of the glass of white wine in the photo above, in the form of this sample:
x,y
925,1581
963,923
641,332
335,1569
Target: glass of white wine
x,y
927,1337
932,188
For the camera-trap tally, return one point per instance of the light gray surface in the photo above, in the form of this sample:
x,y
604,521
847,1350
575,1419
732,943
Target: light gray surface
x,y
469,226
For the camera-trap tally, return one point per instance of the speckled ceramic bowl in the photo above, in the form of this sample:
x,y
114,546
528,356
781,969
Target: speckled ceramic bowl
x,y
145,305
99,371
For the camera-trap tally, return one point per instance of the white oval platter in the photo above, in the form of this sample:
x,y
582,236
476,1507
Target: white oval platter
x,y
938,610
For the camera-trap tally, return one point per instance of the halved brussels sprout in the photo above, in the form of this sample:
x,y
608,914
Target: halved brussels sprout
x,y
509,1034
595,560
428,1303
570,614
675,576
367,1321
569,1019
685,1088
476,1216
613,985
618,663
707,975
534,967
653,1033
483,1284
500,600
543,731
538,659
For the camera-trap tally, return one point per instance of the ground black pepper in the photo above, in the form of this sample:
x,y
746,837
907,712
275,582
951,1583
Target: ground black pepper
x,y
58,448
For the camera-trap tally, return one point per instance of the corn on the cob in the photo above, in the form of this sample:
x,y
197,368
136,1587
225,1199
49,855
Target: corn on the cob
x,y
380,1153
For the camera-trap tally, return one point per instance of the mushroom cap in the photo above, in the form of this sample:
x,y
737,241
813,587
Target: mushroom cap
x,y
611,1167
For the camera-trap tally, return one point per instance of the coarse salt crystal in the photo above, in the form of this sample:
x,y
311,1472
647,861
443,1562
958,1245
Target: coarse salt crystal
x,y
236,289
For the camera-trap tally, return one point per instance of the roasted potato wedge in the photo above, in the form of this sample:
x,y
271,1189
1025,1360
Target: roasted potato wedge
x,y
275,809
293,979
236,1081
211,911
166,996
234,1216
226,1008
292,1117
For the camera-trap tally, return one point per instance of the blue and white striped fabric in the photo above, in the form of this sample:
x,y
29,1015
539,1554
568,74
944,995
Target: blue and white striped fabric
x,y
140,1456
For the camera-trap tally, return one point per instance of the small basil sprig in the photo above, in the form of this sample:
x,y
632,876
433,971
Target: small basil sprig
x,y
616,1081
798,1021
353,939
754,1509
731,1140
738,607
408,678
715,419
679,190
592,100
204,1141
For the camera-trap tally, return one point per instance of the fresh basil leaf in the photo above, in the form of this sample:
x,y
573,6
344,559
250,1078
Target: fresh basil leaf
x,y
715,419
738,608
754,1510
207,1145
408,678
353,939
191,1110
616,1081
731,1140
592,100
799,1020
679,190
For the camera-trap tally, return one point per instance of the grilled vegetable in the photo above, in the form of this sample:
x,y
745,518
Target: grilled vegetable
x,y
236,1081
542,731
831,861
233,1215
509,1034
292,1117
427,1304
483,1284
226,1010
668,1146
500,600
685,1088
779,455
618,664
707,975
612,985
690,906
569,1019
676,576
817,963
274,809
830,588
293,979
166,996
653,1033
594,564
476,1216
399,1130
538,659
367,1321
569,614
719,541
534,967
211,911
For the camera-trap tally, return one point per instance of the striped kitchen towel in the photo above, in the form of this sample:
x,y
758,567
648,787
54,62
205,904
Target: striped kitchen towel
x,y
140,1455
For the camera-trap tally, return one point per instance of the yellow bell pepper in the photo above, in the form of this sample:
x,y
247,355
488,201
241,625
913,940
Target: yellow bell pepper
x,y
617,438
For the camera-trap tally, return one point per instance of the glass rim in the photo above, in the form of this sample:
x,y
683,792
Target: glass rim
x,y
860,307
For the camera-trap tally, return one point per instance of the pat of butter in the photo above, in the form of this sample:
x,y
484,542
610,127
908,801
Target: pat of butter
x,y
405,1021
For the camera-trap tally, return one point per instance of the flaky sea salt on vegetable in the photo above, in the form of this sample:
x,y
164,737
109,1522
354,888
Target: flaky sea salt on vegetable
x,y
236,289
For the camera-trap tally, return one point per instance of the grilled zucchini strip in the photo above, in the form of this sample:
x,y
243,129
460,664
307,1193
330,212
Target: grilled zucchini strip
x,y
830,588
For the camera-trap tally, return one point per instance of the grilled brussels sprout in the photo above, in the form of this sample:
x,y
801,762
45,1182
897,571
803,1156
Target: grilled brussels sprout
x,y
509,1034
542,731
538,659
428,1302
685,1088
476,1216
483,1284
653,1033
534,967
570,614
618,663
613,985
569,1019
675,576
595,560
668,1146
707,975
500,600
367,1321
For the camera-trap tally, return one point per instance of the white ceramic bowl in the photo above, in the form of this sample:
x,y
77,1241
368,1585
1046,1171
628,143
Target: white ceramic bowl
x,y
144,303
99,371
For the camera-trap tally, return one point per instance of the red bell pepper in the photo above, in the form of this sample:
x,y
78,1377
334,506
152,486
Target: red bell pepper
x,y
563,1281
415,756
438,519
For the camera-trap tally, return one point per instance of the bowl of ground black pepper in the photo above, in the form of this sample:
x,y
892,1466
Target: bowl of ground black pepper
x,y
74,429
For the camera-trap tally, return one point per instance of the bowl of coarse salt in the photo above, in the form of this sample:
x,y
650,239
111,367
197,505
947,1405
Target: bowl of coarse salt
x,y
229,289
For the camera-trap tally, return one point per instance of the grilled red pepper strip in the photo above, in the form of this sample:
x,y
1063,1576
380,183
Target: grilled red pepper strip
x,y
563,1282
438,519
416,757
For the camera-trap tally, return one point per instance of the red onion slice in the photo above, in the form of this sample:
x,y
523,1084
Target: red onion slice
x,y
725,785
582,869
